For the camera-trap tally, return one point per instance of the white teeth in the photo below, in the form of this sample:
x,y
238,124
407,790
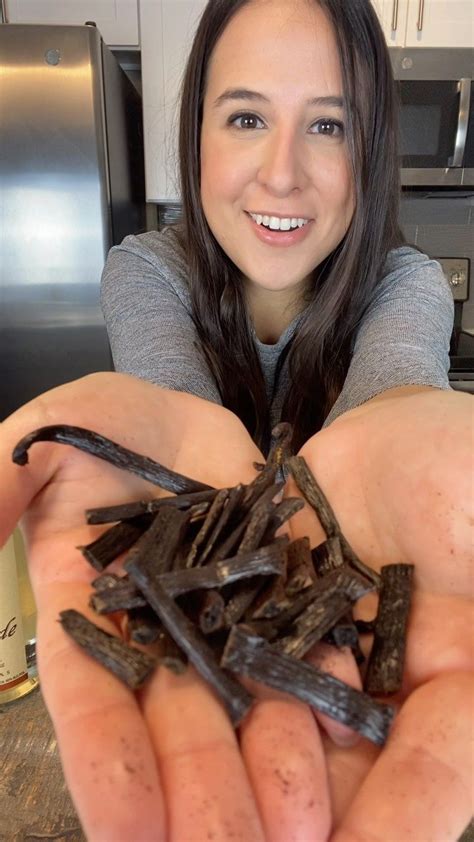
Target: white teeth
x,y
276,223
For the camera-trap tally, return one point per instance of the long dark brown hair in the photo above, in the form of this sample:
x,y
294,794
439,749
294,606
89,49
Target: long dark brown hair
x,y
344,285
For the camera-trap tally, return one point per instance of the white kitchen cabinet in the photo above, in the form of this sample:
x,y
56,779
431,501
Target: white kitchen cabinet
x,y
393,17
117,20
440,23
427,23
167,28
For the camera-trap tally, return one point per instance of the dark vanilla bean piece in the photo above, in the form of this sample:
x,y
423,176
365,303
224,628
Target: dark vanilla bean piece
x,y
103,448
143,625
129,665
210,521
280,449
159,544
105,580
210,611
224,523
281,514
112,543
263,562
271,600
315,496
337,591
235,698
300,568
247,654
386,661
328,556
123,596
125,511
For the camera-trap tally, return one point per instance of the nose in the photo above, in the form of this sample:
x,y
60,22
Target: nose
x,y
281,169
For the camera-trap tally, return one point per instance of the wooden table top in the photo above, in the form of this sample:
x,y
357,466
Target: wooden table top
x,y
34,801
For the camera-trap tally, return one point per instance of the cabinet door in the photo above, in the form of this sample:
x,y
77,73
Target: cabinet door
x,y
393,17
440,23
117,20
167,28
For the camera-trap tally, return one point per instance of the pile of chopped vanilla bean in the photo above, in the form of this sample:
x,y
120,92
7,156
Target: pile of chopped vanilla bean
x,y
206,579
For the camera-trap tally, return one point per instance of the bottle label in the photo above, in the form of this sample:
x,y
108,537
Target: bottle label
x,y
13,669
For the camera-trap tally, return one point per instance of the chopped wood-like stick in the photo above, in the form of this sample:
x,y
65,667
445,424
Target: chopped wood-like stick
x,y
112,543
125,511
282,513
103,448
315,496
387,658
105,580
129,665
280,450
300,568
269,629
158,545
247,654
271,600
265,561
210,611
234,697
258,520
210,521
224,522
123,596
254,490
337,591
328,556
241,600
313,623
144,626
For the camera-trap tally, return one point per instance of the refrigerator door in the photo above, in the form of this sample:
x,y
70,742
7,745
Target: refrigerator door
x,y
55,222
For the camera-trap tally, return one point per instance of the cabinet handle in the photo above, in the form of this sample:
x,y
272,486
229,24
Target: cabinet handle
x,y
421,12
395,16
464,88
3,9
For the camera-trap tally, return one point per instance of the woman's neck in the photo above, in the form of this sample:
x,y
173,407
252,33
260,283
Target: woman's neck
x,y
272,311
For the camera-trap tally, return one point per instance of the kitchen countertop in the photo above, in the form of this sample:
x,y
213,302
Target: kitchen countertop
x,y
34,801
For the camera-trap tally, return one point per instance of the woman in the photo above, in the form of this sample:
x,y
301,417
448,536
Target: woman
x,y
286,127
166,764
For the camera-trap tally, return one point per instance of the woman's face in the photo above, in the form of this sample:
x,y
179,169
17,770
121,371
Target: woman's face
x,y
276,184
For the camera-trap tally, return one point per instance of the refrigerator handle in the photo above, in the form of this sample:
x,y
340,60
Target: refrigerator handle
x,y
3,9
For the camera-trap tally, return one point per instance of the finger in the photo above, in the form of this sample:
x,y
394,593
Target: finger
x,y
282,750
207,791
342,665
421,785
105,747
346,769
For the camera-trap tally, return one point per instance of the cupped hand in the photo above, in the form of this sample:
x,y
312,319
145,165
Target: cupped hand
x,y
163,764
399,475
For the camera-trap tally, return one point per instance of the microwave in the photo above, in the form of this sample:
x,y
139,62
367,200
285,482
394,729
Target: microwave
x,y
436,116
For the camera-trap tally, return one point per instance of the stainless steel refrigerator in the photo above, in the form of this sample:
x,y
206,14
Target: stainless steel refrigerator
x,y
71,186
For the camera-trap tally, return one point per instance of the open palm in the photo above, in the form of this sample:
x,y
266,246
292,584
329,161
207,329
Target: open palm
x,y
165,763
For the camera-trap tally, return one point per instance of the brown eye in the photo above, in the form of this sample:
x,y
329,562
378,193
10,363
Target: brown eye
x,y
330,128
246,121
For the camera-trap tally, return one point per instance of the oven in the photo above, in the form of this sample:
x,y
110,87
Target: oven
x,y
436,116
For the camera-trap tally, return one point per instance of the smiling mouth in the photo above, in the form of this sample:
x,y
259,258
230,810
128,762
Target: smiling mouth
x,y
276,223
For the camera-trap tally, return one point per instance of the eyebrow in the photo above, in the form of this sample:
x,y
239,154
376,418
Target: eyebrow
x,y
254,96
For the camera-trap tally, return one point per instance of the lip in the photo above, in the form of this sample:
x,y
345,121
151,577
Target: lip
x,y
280,239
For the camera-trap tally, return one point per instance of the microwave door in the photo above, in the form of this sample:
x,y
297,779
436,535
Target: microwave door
x,y
434,129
